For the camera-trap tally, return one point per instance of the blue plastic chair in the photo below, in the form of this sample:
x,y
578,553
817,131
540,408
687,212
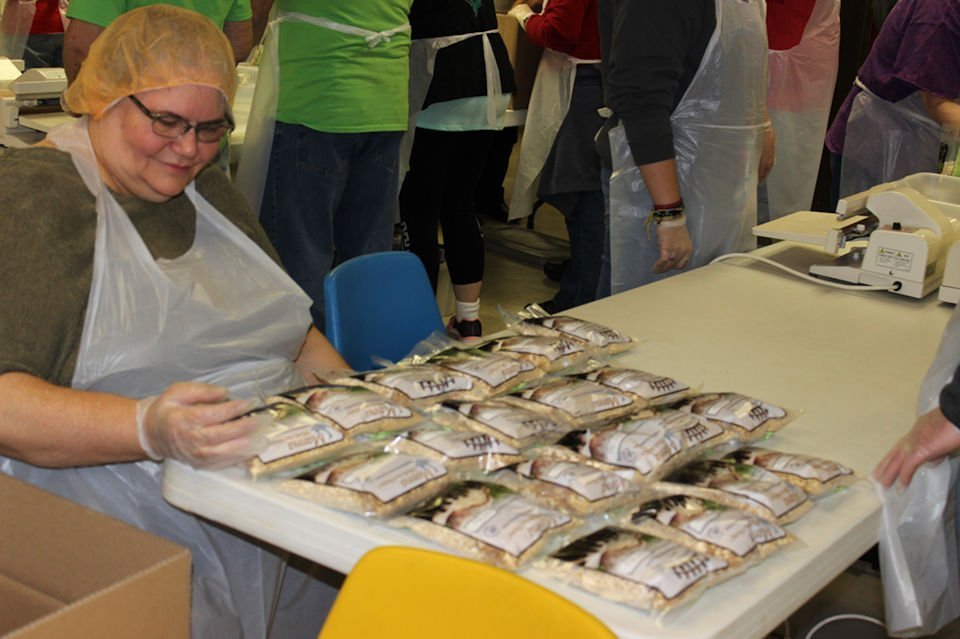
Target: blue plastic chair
x,y
379,305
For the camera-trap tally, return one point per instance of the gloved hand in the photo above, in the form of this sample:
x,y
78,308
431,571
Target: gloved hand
x,y
194,423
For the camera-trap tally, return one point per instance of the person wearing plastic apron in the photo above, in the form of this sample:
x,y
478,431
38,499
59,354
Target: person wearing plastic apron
x,y
802,79
449,141
321,164
150,323
564,172
718,147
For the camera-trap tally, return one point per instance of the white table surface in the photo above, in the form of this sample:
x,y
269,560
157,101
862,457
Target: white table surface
x,y
852,362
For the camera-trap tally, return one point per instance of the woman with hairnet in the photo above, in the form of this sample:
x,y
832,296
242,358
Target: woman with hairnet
x,y
130,267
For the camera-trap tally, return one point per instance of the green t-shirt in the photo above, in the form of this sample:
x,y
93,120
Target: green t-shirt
x,y
103,12
332,81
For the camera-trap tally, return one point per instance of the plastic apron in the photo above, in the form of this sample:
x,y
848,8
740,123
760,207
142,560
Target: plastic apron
x,y
255,157
423,56
16,22
886,141
717,144
549,104
799,95
138,310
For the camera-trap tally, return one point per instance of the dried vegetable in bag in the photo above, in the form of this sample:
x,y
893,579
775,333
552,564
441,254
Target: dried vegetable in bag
x,y
418,385
515,425
458,449
487,521
573,487
708,527
548,353
607,339
639,570
495,372
749,488
750,419
354,409
295,438
376,484
581,402
814,475
646,388
652,445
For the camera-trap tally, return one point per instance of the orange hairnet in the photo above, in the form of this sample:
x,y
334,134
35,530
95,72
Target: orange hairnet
x,y
153,47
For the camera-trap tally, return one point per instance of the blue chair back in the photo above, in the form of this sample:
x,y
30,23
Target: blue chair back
x,y
379,305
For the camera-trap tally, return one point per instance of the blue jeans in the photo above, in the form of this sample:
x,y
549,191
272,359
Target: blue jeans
x,y
583,213
603,286
329,197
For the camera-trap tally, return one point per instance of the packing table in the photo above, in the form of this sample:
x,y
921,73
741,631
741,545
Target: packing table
x,y
851,361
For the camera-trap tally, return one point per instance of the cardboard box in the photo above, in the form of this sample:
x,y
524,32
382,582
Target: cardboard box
x,y
67,571
524,55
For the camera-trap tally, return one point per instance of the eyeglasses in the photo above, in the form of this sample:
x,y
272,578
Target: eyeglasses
x,y
172,126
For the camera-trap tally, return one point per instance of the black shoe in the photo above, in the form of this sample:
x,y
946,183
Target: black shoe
x,y
555,270
464,330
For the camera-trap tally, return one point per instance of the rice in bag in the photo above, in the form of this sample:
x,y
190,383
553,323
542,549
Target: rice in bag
x,y
748,418
296,438
749,488
515,425
487,521
640,570
376,484
647,389
548,353
421,385
354,409
494,372
708,527
573,487
650,445
458,449
579,401
604,338
814,475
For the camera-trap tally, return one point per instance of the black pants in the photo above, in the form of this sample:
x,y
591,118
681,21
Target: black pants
x,y
445,167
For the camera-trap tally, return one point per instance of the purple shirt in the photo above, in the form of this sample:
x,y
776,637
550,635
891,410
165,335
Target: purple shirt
x,y
918,49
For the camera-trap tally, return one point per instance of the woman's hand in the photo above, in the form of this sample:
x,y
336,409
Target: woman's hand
x,y
932,438
196,424
675,247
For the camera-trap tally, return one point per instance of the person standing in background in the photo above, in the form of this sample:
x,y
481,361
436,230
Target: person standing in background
x,y
804,41
461,81
558,162
33,30
333,158
88,18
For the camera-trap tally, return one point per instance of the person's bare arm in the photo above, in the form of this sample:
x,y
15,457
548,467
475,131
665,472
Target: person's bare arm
x,y
76,43
945,111
240,35
261,15
318,354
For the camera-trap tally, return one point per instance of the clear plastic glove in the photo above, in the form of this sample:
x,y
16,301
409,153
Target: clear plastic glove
x,y
932,438
194,423
675,247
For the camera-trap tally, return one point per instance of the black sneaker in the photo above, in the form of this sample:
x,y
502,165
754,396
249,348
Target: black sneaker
x,y
464,330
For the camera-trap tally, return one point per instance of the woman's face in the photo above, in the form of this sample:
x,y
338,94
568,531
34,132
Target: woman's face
x,y
134,160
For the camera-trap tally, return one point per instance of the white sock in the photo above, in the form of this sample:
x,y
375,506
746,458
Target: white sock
x,y
468,311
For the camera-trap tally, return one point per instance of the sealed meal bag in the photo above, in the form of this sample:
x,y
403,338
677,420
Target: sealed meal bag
x,y
601,337
749,488
748,418
574,487
814,475
376,484
708,527
548,353
650,445
494,372
355,410
578,401
418,385
515,425
295,438
640,570
458,449
487,521
646,388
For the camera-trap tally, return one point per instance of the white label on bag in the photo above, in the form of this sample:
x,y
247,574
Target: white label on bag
x,y
644,445
422,382
493,369
549,347
577,398
297,440
645,385
516,423
589,483
778,496
511,524
743,411
804,467
349,409
386,477
732,529
662,565
457,445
